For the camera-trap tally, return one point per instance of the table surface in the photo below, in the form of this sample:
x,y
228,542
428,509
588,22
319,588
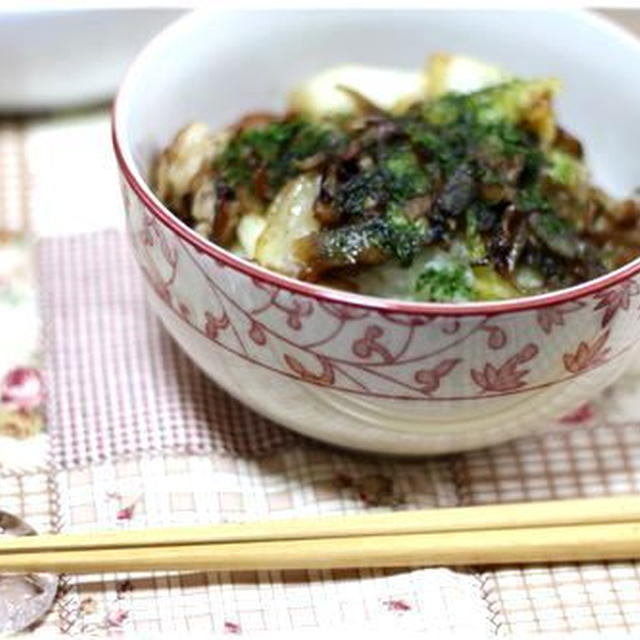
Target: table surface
x,y
133,435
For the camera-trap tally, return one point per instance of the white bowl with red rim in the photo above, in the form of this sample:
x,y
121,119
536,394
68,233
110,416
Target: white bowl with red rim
x,y
362,372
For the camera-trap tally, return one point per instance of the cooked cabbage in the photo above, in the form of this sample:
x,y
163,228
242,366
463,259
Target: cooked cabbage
x,y
446,185
289,217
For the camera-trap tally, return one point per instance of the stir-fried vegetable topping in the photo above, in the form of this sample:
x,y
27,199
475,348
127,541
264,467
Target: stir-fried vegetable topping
x,y
262,159
485,179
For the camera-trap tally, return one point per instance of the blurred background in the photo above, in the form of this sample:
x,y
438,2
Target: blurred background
x,y
55,93
75,57
69,58
629,18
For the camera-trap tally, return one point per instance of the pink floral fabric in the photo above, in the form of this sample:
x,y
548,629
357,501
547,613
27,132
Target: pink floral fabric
x,y
21,384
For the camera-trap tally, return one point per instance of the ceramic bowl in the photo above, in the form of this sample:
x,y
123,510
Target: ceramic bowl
x,y
361,372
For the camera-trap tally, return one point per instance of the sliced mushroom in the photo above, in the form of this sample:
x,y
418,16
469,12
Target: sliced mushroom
x,y
355,245
191,151
556,235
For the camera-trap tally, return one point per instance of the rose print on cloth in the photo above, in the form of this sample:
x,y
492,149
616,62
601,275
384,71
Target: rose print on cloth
x,y
96,618
21,398
232,627
508,376
372,490
397,604
126,508
22,388
115,619
21,384
579,416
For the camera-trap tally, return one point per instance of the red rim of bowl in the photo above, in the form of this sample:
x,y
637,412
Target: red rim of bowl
x,y
335,296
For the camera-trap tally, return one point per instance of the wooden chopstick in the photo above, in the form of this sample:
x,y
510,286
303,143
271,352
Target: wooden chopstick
x,y
476,518
575,543
570,530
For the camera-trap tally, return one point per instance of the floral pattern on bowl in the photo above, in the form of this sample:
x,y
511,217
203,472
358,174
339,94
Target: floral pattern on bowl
x,y
459,362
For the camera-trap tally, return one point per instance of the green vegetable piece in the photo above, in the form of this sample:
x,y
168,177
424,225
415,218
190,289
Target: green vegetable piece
x,y
511,101
397,178
392,236
475,244
490,285
408,178
275,148
445,282
506,102
403,237
564,168
483,127
531,199
364,191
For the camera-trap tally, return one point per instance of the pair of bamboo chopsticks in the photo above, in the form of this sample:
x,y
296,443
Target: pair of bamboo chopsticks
x,y
586,529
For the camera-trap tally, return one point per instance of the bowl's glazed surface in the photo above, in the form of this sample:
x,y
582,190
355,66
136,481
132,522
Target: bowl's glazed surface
x,y
370,374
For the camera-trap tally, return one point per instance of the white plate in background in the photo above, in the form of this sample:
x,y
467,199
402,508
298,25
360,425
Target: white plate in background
x,y
65,58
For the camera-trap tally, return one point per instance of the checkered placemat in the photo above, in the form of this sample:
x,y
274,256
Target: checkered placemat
x,y
140,437
167,489
122,415
120,385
